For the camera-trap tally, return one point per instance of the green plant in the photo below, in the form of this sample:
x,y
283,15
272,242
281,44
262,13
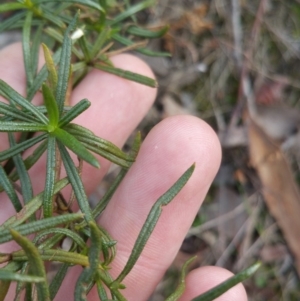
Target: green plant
x,y
79,41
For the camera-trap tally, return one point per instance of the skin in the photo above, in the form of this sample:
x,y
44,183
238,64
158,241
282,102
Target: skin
x,y
169,149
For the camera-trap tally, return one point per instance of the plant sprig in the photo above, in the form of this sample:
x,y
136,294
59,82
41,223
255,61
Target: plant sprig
x,y
72,42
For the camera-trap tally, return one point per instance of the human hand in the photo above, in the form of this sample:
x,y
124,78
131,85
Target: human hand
x,y
170,148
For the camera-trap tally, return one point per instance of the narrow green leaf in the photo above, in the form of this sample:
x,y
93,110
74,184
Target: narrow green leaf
x,y
146,33
31,159
10,276
87,136
151,221
20,147
52,18
9,189
57,280
95,248
102,15
149,52
26,48
104,59
59,9
55,255
20,285
82,285
12,112
76,183
128,75
75,146
19,24
128,5
16,98
11,267
35,263
83,43
107,155
137,142
106,278
75,111
40,225
66,232
50,177
101,205
80,66
56,35
88,274
145,51
11,6
107,243
51,67
28,291
64,66
50,242
220,289
26,186
11,126
117,295
35,49
10,22
101,39
42,76
181,286
87,3
101,290
51,106
108,248
31,207
131,11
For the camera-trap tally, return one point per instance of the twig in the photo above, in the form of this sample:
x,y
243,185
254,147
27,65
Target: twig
x,y
217,221
244,78
232,246
237,31
255,246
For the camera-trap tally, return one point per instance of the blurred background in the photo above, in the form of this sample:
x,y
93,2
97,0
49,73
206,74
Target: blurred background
x,y
235,64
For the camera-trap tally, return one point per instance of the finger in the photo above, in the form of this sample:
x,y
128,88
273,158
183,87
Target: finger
x,y
170,148
203,279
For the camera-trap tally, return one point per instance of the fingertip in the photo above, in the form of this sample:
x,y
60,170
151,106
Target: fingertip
x,y
203,279
168,151
198,140
179,141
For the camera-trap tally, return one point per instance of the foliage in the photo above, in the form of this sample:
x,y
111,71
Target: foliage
x,y
80,35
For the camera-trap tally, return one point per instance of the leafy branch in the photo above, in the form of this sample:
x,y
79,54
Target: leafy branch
x,y
75,35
